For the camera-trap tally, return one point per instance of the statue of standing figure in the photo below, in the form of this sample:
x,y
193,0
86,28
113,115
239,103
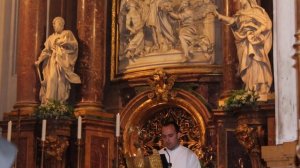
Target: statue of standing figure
x,y
252,30
187,31
58,60
134,24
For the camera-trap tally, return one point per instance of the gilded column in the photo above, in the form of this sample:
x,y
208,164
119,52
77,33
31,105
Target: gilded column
x,y
91,24
230,61
31,36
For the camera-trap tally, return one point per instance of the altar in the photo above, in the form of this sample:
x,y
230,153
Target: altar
x,y
133,76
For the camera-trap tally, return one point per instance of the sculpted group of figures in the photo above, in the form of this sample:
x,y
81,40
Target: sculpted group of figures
x,y
172,27
158,26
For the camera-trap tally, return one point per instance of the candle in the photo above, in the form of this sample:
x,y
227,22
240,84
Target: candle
x,y
79,127
44,123
118,125
9,126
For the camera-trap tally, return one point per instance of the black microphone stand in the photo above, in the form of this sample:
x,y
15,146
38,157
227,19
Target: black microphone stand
x,y
169,162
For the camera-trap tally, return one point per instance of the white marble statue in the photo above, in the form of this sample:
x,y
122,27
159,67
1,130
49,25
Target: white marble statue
x,y
134,24
58,60
252,29
187,31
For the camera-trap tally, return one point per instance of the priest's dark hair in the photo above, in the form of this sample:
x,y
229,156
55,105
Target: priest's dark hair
x,y
170,121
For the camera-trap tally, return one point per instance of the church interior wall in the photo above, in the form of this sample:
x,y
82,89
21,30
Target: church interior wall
x,y
118,94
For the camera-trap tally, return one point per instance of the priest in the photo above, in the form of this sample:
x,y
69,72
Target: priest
x,y
177,155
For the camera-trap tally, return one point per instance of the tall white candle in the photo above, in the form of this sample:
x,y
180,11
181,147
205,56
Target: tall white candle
x,y
9,127
44,123
118,125
79,127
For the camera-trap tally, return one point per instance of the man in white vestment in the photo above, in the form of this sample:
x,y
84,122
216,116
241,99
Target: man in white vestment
x,y
177,155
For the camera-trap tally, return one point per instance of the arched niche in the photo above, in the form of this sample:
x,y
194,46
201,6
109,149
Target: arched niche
x,y
143,114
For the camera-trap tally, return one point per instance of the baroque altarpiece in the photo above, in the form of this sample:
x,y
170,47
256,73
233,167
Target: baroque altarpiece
x,y
136,60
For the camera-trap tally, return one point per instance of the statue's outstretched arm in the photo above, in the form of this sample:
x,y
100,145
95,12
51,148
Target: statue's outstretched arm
x,y
226,19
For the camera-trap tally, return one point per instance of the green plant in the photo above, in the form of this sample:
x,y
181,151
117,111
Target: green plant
x,y
239,99
54,110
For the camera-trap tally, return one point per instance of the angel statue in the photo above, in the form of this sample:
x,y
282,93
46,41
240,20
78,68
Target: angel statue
x,y
162,85
187,30
135,25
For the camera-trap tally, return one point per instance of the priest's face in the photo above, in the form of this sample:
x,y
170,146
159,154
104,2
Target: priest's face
x,y
170,137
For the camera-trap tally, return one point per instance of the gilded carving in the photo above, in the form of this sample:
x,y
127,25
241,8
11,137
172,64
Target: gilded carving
x,y
135,155
248,138
56,146
161,85
191,133
145,140
154,160
144,115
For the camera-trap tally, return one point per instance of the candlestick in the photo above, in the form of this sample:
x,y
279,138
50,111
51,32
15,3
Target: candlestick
x,y
9,127
79,127
42,154
78,153
117,157
118,125
44,123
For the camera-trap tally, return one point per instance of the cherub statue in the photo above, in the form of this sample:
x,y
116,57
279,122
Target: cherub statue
x,y
187,30
161,84
247,137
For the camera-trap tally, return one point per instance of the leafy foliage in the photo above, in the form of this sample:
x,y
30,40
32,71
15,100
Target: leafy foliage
x,y
239,99
54,110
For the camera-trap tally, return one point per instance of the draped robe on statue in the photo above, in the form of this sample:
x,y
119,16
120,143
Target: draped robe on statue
x,y
181,157
254,63
60,54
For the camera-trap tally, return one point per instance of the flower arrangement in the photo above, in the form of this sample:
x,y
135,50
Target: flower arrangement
x,y
239,99
54,110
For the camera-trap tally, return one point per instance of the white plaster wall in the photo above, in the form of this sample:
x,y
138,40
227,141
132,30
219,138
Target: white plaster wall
x,y
284,71
8,79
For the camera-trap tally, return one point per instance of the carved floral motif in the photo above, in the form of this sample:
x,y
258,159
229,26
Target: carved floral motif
x,y
247,136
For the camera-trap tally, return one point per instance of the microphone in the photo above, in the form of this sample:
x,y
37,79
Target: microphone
x,y
169,162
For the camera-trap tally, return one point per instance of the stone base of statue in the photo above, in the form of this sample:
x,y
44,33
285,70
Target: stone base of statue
x,y
55,151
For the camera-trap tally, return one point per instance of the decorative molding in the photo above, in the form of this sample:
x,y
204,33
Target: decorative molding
x,y
162,85
56,146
